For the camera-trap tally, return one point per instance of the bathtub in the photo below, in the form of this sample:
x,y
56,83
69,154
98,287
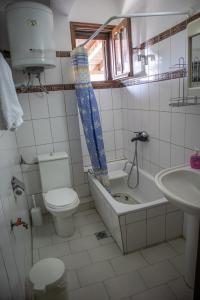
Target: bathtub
x,y
142,217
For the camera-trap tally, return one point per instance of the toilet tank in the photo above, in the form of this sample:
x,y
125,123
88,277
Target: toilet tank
x,y
54,171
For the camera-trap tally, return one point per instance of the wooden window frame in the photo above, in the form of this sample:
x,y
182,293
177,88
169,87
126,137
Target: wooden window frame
x,y
126,23
85,30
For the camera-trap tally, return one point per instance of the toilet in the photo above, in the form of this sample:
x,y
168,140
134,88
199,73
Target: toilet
x,y
59,198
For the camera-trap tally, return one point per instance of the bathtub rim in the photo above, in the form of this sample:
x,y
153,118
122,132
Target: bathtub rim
x,y
122,208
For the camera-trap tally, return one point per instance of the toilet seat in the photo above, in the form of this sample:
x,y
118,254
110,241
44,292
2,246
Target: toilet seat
x,y
63,198
46,273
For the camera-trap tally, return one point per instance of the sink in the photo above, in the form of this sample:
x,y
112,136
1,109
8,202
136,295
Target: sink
x,y
181,186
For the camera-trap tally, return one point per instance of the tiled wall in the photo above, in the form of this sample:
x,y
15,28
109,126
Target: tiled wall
x,y
110,108
51,124
174,132
15,246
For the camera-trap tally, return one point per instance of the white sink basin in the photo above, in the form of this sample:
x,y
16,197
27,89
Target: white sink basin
x,y
181,186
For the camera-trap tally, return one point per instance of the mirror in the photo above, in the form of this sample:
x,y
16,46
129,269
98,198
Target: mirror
x,y
194,57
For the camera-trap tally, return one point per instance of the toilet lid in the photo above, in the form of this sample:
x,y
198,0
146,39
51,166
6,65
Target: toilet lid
x,y
46,273
61,197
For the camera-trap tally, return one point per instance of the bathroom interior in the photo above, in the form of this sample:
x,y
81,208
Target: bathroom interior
x,y
99,150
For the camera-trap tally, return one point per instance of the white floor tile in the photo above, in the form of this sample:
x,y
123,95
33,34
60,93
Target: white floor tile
x,y
92,228
92,292
86,219
158,274
56,239
41,241
181,290
124,286
58,250
85,243
104,252
127,263
158,253
179,263
95,273
72,281
106,241
35,256
178,245
76,261
86,212
158,293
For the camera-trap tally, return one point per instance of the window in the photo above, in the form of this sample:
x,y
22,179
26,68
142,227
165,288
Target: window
x,y
109,53
122,58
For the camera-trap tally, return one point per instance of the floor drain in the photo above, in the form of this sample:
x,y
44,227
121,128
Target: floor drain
x,y
102,235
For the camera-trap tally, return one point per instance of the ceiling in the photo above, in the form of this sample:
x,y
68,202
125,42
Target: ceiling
x,y
130,6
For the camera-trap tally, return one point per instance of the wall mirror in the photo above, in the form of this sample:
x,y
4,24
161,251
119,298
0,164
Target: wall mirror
x,y
194,58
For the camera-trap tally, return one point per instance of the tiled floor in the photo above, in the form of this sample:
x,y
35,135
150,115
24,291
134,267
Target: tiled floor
x,y
96,269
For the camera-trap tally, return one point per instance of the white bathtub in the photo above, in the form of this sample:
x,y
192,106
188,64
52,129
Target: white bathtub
x,y
134,226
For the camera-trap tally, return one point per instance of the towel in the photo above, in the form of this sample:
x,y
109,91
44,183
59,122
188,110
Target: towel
x,y
10,109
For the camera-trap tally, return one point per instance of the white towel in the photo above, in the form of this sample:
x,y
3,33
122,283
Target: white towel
x,y
10,109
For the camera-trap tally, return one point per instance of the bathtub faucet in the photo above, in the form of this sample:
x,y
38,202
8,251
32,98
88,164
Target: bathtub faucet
x,y
141,136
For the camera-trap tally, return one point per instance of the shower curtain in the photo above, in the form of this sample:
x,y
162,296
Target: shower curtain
x,y
89,114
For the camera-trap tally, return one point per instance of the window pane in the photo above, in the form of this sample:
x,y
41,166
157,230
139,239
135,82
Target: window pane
x,y
117,47
125,51
96,57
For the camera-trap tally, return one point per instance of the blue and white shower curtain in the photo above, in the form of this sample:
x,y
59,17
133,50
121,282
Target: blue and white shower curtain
x,y
89,114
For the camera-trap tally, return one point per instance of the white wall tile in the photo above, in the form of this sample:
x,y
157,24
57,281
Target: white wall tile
x,y
165,155
75,150
71,103
54,75
119,139
178,129
105,99
136,236
174,225
24,101
165,126
117,119
59,129
178,47
117,100
192,132
73,127
56,104
155,230
42,131
107,120
25,135
165,95
109,141
67,70
154,98
154,124
177,155
164,61
39,105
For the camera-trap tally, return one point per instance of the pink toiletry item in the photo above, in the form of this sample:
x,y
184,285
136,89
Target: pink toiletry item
x,y
195,160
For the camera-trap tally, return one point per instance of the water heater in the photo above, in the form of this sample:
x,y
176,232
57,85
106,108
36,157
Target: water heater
x,y
30,32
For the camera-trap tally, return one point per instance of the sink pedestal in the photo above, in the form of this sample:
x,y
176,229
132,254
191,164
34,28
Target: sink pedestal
x,y
192,236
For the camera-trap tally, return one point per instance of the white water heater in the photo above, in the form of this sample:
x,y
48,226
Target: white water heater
x,y
30,32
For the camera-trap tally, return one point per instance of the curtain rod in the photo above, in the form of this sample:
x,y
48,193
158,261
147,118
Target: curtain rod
x,y
135,15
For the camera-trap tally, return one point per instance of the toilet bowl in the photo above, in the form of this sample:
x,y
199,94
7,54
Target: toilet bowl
x,y
59,198
62,204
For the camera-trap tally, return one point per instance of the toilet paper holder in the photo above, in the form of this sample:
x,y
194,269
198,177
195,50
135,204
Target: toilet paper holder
x,y
17,186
